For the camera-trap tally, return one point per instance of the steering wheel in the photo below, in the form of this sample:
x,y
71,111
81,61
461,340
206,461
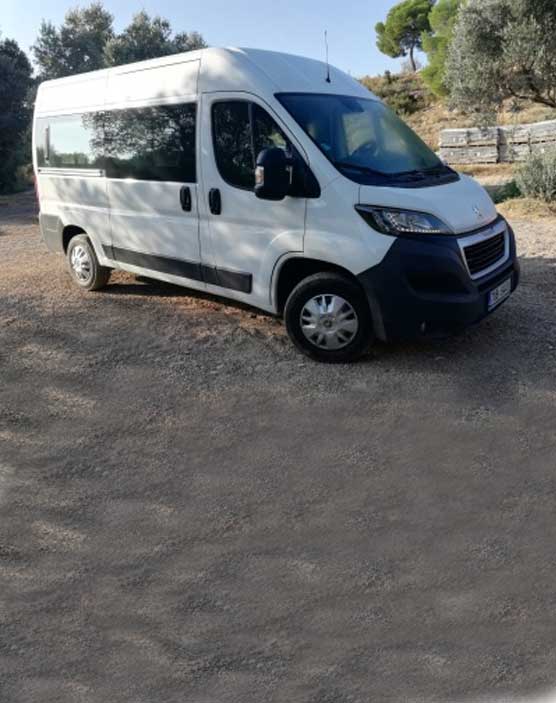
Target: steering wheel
x,y
369,149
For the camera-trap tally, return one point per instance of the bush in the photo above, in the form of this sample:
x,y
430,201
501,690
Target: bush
x,y
24,177
536,177
405,93
508,191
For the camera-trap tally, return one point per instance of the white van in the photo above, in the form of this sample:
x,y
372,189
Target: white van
x,y
273,180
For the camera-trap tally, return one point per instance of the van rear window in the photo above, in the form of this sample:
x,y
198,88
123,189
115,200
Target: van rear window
x,y
68,142
152,143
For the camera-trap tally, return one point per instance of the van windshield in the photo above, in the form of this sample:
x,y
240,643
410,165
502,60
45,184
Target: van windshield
x,y
366,141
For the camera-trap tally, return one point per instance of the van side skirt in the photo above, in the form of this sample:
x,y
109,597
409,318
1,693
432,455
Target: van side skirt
x,y
234,280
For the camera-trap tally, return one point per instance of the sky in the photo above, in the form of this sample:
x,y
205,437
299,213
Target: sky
x,y
293,26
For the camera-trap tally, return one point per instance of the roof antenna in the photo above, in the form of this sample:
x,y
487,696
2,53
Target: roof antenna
x,y
327,64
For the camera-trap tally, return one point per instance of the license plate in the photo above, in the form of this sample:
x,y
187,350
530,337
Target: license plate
x,y
499,294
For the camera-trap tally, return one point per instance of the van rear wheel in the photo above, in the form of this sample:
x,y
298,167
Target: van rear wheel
x,y
328,318
83,264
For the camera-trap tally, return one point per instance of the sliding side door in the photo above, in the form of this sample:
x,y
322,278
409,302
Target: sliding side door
x,y
152,188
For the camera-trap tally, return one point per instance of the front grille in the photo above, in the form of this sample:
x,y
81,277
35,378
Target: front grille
x,y
483,255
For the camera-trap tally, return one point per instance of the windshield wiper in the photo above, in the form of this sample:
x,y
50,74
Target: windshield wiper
x,y
415,174
439,170
403,179
356,167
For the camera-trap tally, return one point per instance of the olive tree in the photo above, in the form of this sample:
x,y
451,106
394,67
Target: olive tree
x,y
502,49
76,46
147,38
86,41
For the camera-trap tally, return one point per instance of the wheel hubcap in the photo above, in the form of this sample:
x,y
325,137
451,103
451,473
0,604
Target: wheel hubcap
x,y
81,264
329,322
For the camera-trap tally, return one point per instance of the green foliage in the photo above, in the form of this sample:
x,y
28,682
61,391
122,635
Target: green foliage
x,y
403,30
403,92
189,41
77,46
502,49
536,177
147,38
442,19
15,82
508,191
86,41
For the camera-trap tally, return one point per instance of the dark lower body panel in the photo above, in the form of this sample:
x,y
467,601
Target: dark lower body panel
x,y
423,288
232,280
52,232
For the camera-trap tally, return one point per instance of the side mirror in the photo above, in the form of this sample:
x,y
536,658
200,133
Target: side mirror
x,y
272,174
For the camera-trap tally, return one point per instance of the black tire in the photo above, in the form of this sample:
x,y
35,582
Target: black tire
x,y
91,277
329,284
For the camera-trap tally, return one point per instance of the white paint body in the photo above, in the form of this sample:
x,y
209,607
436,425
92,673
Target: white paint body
x,y
251,235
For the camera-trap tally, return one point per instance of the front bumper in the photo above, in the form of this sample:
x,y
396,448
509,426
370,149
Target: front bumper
x,y
423,288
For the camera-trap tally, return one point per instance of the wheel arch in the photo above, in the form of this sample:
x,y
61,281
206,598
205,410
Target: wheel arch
x,y
69,232
294,269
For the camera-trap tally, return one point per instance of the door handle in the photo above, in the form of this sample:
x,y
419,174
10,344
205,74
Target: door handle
x,y
185,198
215,201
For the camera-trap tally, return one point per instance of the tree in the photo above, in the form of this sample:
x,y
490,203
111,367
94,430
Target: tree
x,y
402,33
86,41
442,20
15,81
77,46
147,38
503,49
189,41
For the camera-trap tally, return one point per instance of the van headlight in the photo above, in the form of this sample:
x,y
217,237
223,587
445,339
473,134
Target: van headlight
x,y
400,222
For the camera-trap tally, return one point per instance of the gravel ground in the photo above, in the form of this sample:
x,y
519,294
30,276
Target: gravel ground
x,y
192,512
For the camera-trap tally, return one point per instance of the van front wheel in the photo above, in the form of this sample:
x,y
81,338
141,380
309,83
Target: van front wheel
x,y
328,318
83,264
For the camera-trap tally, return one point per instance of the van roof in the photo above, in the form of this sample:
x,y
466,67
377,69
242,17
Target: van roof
x,y
188,74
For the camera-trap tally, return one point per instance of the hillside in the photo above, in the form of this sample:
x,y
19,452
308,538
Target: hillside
x,y
431,120
407,94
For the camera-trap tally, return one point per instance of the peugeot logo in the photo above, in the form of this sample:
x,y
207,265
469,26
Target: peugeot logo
x,y
477,210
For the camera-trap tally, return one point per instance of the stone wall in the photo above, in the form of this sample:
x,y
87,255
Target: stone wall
x,y
491,145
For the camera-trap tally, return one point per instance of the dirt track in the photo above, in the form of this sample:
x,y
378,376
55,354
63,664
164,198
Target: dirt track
x,y
192,512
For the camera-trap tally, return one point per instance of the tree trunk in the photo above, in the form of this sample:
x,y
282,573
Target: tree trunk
x,y
412,59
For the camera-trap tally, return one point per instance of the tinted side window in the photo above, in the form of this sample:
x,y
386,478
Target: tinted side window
x,y
233,145
68,142
152,144
241,130
267,133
